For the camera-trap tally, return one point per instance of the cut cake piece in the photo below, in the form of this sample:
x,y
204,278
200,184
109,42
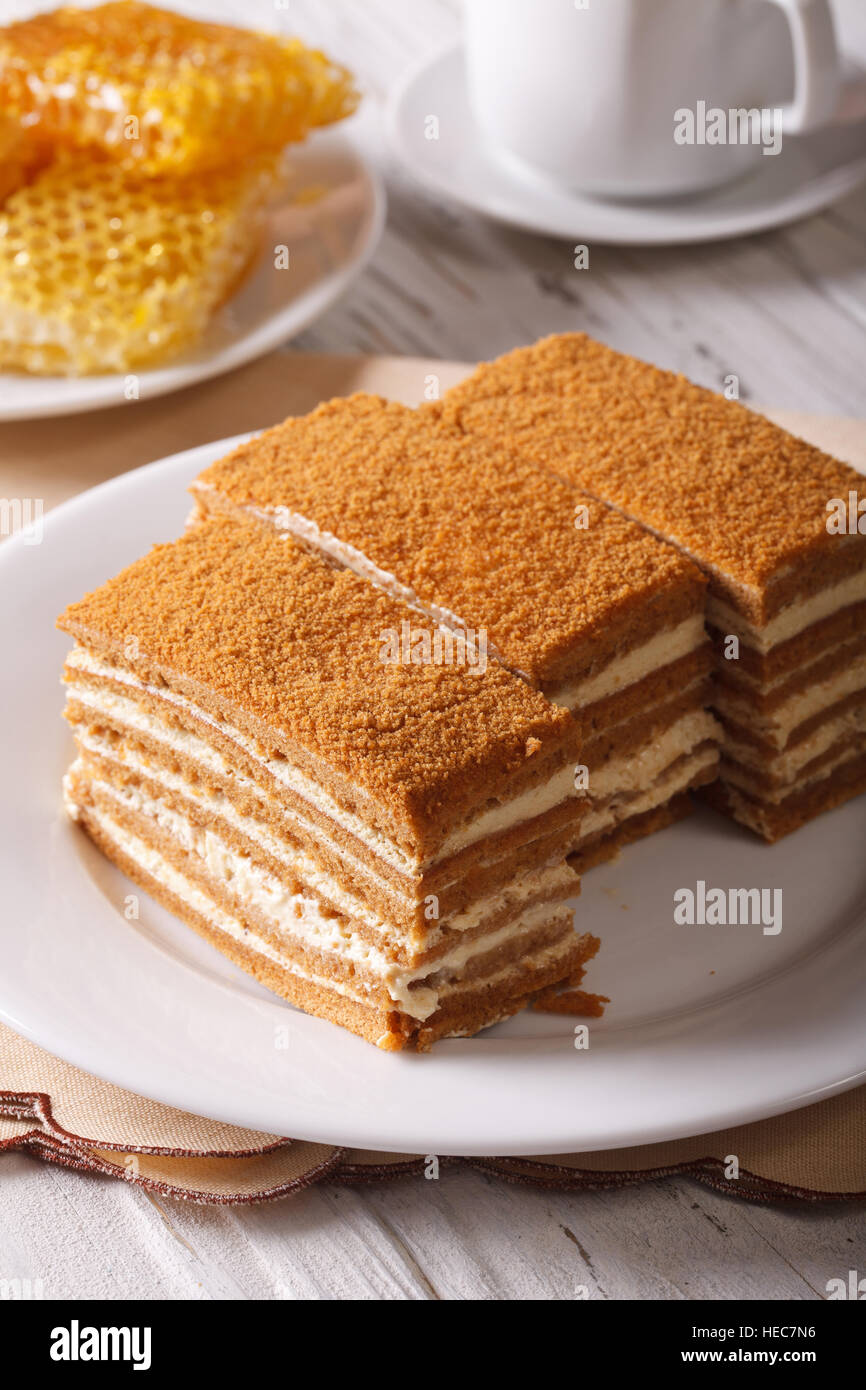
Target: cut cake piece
x,y
579,602
749,503
381,843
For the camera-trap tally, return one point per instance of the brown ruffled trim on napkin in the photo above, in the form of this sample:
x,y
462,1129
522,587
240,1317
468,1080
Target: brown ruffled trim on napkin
x,y
258,1173
37,1106
311,1167
710,1171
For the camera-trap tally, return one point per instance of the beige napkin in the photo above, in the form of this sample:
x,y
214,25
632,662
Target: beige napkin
x,y
61,1114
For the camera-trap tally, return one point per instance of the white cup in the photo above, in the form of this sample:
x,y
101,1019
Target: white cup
x,y
634,98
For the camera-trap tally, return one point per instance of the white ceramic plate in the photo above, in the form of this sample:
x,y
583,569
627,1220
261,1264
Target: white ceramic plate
x,y
809,173
330,241
709,1026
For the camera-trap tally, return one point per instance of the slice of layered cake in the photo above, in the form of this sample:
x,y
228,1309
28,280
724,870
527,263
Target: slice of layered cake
x,y
376,835
582,604
769,518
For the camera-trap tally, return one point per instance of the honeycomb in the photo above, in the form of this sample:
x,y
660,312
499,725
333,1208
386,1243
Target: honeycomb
x,y
21,154
102,270
163,93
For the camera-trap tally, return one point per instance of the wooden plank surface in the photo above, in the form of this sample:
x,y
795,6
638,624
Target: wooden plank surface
x,y
785,311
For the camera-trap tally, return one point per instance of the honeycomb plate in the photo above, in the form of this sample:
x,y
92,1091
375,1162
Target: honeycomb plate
x,y
330,237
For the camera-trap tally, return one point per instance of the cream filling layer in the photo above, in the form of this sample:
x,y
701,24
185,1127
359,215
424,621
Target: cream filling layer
x,y
794,618
635,665
299,917
782,721
667,785
503,816
639,770
851,724
552,880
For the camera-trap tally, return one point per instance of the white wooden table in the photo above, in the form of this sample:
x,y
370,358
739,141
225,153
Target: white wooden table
x,y
785,311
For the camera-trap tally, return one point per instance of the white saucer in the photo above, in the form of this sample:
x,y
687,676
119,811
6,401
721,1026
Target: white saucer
x,y
329,241
809,173
709,1026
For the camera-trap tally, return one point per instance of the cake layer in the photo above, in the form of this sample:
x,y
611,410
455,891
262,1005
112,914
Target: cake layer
x,y
246,853
754,782
772,820
693,769
691,673
437,1008
295,922
298,810
802,735
789,655
629,737
407,904
630,669
646,748
639,764
778,723
795,619
159,713
769,694
460,529
605,845
781,768
288,652
638,769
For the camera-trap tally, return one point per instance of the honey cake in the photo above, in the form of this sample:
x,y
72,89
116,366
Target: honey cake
x,y
381,842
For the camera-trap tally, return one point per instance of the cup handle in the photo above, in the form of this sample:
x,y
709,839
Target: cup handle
x,y
817,72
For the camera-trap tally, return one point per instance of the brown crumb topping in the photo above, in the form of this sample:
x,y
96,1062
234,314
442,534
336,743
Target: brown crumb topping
x,y
467,525
739,494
